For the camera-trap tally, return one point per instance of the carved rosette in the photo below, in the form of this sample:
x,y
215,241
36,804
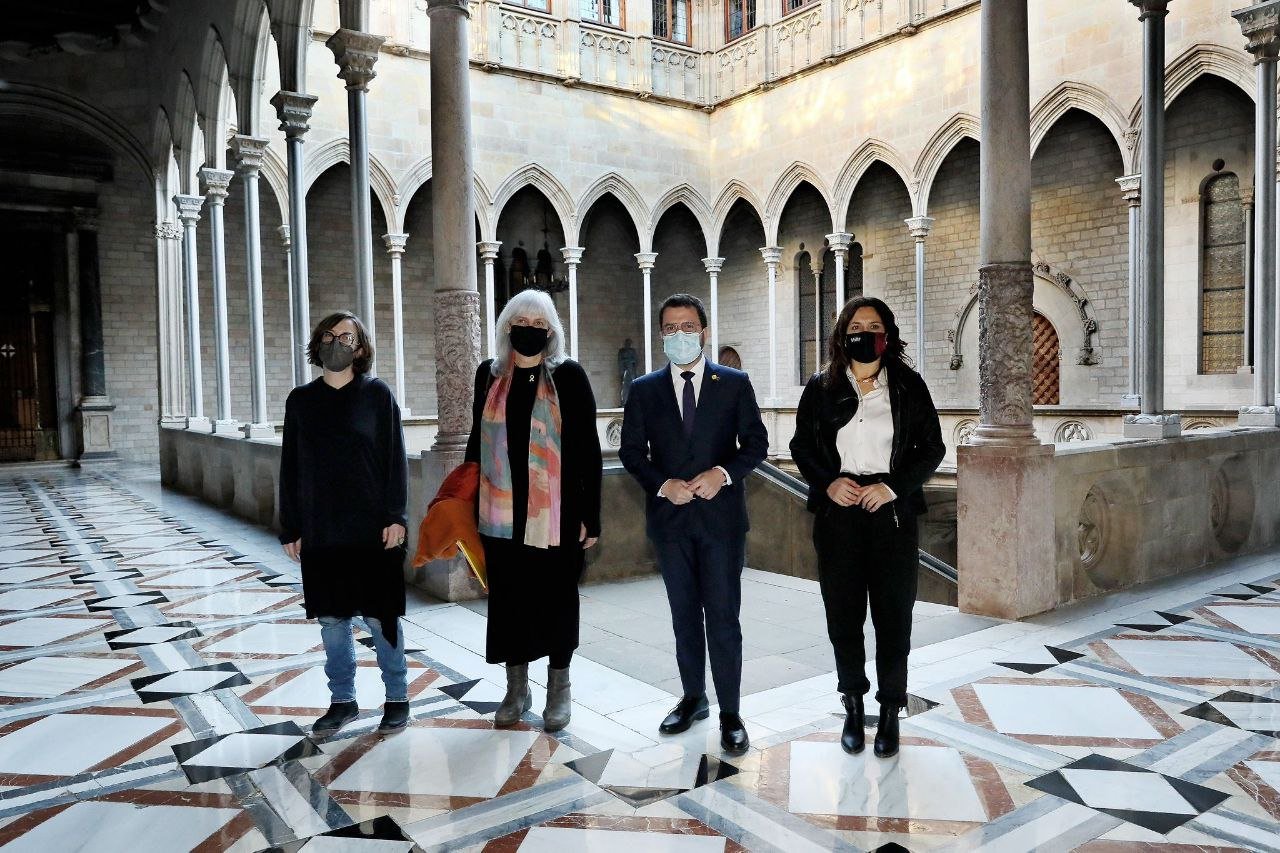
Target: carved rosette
x,y
356,53
1004,354
457,328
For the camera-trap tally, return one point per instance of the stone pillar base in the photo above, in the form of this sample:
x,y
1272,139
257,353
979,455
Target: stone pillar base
x,y
1152,426
200,424
452,579
1005,530
1259,416
258,431
95,428
230,428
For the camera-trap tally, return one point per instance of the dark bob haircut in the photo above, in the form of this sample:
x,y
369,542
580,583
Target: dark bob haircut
x,y
683,300
894,356
364,345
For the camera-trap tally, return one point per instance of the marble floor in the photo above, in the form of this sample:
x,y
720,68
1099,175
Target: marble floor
x,y
158,680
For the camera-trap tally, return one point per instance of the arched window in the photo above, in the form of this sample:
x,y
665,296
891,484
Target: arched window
x,y
853,277
1044,362
739,18
808,327
1222,274
671,20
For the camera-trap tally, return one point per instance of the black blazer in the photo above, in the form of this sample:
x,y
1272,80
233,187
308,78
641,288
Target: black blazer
x,y
580,463
917,435
727,431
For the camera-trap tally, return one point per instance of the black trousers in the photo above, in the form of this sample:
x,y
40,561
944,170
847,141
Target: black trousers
x,y
869,556
703,576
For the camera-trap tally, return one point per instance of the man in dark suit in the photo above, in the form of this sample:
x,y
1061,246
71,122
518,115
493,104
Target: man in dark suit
x,y
691,434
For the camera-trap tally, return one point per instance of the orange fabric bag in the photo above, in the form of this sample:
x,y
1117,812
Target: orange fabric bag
x,y
450,523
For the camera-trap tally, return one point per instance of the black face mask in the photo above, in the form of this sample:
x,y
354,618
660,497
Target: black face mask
x,y
335,357
865,347
528,340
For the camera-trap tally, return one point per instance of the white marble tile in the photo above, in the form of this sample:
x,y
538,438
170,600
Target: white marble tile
x,y
133,599
243,749
921,783
17,540
1130,791
270,638
53,676
1191,659
13,556
104,827
26,574
286,801
67,744
1254,619
34,598
1268,771
554,839
457,762
606,690
231,603
1254,716
310,689
666,765
44,630
152,634
189,681
1068,711
199,577
346,845
173,558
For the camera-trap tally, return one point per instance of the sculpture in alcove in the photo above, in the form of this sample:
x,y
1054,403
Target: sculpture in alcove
x,y
519,270
627,363
545,270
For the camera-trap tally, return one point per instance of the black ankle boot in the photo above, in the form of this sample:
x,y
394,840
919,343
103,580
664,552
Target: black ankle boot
x,y
395,717
338,715
887,731
854,737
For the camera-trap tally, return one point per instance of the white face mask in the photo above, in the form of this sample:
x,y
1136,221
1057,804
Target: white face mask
x,y
682,347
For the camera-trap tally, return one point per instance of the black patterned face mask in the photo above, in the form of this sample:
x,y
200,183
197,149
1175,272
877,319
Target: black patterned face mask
x,y
336,357
865,347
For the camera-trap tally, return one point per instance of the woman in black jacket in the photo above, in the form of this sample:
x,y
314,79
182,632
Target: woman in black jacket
x,y
867,438
533,433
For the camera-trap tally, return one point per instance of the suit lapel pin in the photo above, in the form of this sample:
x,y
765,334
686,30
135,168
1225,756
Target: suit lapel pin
x,y
715,377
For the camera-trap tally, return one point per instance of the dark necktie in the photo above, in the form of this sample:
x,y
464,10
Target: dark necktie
x,y
688,404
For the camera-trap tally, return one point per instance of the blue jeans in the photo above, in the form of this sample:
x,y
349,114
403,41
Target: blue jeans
x,y
340,659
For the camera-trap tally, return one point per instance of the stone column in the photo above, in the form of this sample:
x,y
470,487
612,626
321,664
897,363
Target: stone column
x,y
714,265
216,183
356,53
189,214
249,151
646,261
1005,522
1153,422
457,304
772,256
1131,188
395,248
95,405
294,111
489,254
286,244
1261,26
919,226
839,243
1246,344
572,257
816,266
173,401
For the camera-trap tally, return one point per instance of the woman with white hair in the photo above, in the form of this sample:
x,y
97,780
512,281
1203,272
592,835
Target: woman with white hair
x,y
533,433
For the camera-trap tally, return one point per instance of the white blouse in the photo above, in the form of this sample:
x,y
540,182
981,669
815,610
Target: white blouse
x,y
865,444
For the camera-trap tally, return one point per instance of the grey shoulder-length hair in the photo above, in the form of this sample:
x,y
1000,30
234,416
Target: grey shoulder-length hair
x,y
528,303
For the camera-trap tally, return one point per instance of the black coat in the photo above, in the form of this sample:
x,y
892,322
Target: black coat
x,y
727,431
917,435
581,468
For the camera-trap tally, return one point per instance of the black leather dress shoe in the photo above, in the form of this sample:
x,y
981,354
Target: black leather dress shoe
x,y
338,715
887,731
395,717
733,734
854,737
682,716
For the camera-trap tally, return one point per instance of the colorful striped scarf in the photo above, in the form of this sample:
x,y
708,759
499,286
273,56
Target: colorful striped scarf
x,y
542,525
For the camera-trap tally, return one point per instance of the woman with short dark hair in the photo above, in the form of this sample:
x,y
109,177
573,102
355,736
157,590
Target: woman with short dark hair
x,y
343,488
867,439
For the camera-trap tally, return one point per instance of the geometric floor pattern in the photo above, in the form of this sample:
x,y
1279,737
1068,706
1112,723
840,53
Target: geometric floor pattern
x,y
158,679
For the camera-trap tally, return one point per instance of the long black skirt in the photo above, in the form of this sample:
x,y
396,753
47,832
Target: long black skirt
x,y
533,600
342,580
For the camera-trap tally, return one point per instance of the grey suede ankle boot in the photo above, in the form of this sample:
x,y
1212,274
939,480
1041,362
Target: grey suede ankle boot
x,y
559,702
518,700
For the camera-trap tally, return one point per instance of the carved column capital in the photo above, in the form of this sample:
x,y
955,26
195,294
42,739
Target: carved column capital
x,y
572,254
1151,8
713,265
85,218
249,152
646,260
919,226
286,239
839,242
772,254
1131,188
188,208
489,249
395,243
294,111
1260,24
217,183
355,52
166,230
